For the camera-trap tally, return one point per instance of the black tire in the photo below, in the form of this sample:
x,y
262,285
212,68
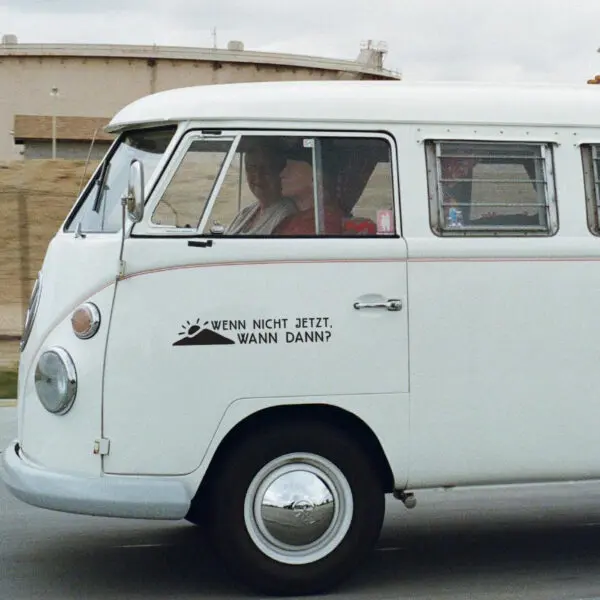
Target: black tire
x,y
195,517
244,559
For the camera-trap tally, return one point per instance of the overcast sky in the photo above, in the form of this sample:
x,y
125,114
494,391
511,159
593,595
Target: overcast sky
x,y
509,40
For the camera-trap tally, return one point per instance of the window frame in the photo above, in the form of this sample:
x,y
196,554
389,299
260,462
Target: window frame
x,y
175,161
432,147
146,228
590,159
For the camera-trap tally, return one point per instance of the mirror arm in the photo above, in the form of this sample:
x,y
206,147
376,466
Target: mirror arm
x,y
132,204
124,204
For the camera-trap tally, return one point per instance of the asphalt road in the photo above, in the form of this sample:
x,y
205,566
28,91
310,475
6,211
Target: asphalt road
x,y
528,543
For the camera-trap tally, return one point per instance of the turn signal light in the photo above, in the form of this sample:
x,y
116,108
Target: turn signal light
x,y
86,321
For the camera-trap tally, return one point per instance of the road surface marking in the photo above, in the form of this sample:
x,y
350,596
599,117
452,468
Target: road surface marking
x,y
140,546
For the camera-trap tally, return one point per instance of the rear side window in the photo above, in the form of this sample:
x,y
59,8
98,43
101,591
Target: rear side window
x,y
590,155
482,188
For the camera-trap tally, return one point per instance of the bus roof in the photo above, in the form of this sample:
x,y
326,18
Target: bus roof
x,y
369,102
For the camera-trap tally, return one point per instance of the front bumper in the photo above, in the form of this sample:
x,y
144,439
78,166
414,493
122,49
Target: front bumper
x,y
105,496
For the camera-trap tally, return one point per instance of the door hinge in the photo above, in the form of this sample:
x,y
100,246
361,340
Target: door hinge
x,y
101,447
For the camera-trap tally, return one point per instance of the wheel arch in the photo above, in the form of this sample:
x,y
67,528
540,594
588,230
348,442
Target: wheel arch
x,y
322,413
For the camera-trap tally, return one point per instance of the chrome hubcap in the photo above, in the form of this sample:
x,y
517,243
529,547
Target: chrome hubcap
x,y
298,508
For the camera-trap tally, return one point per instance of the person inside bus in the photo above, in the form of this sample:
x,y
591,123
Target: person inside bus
x,y
263,164
297,184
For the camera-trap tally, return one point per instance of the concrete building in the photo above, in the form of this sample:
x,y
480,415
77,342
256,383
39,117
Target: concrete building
x,y
66,137
66,93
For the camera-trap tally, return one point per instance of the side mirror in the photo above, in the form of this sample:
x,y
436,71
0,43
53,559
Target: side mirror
x,y
134,199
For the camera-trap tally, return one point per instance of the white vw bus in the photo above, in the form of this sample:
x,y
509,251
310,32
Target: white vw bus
x,y
275,303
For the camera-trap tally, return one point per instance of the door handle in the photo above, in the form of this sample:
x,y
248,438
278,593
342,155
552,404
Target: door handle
x,y
200,243
393,305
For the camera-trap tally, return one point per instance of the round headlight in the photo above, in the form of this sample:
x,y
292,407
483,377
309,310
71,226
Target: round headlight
x,y
85,321
56,381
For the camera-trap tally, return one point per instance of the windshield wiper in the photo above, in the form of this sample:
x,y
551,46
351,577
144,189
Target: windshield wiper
x,y
101,179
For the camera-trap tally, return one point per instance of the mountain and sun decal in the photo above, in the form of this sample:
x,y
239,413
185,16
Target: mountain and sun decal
x,y
200,335
287,330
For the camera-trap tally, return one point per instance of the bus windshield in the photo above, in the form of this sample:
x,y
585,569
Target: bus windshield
x,y
99,210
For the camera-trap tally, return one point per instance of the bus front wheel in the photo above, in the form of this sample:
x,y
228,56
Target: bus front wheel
x,y
295,507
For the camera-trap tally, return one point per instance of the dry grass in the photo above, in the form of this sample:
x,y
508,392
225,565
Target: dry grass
x,y
9,355
8,384
35,197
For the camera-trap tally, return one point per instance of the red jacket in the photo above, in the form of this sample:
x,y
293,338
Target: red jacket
x,y
303,223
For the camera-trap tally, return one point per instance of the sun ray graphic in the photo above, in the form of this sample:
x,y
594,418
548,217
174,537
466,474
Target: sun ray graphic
x,y
190,329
